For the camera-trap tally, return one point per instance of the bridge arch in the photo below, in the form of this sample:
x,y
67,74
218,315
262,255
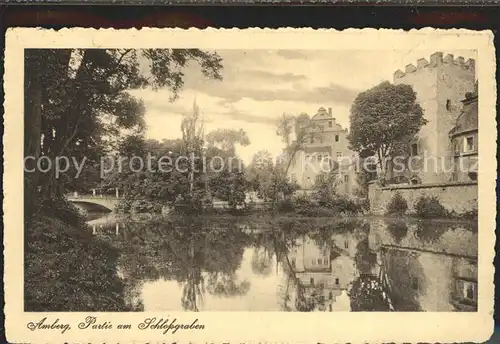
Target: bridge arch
x,y
108,204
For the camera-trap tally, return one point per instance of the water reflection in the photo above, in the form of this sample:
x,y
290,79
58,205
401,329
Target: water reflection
x,y
238,264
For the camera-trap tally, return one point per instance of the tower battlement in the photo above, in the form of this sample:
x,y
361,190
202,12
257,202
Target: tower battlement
x,y
435,61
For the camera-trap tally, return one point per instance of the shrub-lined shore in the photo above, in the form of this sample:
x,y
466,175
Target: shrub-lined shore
x,y
66,268
306,206
425,208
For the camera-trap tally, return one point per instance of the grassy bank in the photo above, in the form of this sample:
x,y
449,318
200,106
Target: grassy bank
x,y
66,269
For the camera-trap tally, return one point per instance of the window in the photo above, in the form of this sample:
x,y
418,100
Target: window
x,y
320,261
414,283
330,124
319,157
330,307
346,178
470,292
448,104
311,281
313,261
293,176
330,296
337,281
346,244
325,261
336,138
414,149
469,143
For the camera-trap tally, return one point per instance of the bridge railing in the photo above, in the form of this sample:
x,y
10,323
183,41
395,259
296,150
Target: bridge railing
x,y
101,196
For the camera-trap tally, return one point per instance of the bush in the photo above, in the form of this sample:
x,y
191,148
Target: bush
x,y
139,206
124,206
62,209
469,215
285,205
68,270
397,205
304,206
430,207
343,204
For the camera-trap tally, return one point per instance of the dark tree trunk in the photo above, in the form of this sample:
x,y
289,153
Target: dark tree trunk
x,y
32,132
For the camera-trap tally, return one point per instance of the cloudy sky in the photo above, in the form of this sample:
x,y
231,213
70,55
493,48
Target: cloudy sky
x,y
260,85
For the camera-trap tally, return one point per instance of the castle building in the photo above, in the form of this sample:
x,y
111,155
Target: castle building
x,y
464,140
440,84
325,271
437,275
326,144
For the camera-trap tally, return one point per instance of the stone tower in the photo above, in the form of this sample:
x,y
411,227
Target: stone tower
x,y
440,85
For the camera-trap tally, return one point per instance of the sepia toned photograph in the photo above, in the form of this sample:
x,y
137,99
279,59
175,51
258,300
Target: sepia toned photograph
x,y
206,179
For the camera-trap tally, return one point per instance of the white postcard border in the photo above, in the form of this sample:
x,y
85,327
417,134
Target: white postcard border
x,y
233,327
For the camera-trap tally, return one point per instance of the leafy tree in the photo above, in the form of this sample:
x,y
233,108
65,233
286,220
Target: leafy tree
x,y
260,173
383,119
158,183
285,128
230,187
226,179
397,205
304,130
365,174
324,189
430,207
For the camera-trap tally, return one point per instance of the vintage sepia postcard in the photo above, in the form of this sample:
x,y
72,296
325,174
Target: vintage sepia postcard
x,y
243,186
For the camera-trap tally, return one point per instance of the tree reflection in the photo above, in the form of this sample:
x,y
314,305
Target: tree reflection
x,y
226,285
204,256
430,232
398,230
262,262
365,258
193,287
191,251
367,294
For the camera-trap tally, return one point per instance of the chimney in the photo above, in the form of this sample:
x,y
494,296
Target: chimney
x,y
436,58
330,111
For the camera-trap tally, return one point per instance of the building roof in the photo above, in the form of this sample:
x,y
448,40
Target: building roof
x,y
467,120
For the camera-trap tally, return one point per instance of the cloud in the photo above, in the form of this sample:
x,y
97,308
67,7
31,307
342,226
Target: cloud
x,y
268,76
328,94
212,108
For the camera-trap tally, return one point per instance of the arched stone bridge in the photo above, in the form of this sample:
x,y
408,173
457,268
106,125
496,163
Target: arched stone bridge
x,y
108,202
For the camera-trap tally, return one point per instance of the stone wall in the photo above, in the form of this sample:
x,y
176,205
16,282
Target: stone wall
x,y
457,197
